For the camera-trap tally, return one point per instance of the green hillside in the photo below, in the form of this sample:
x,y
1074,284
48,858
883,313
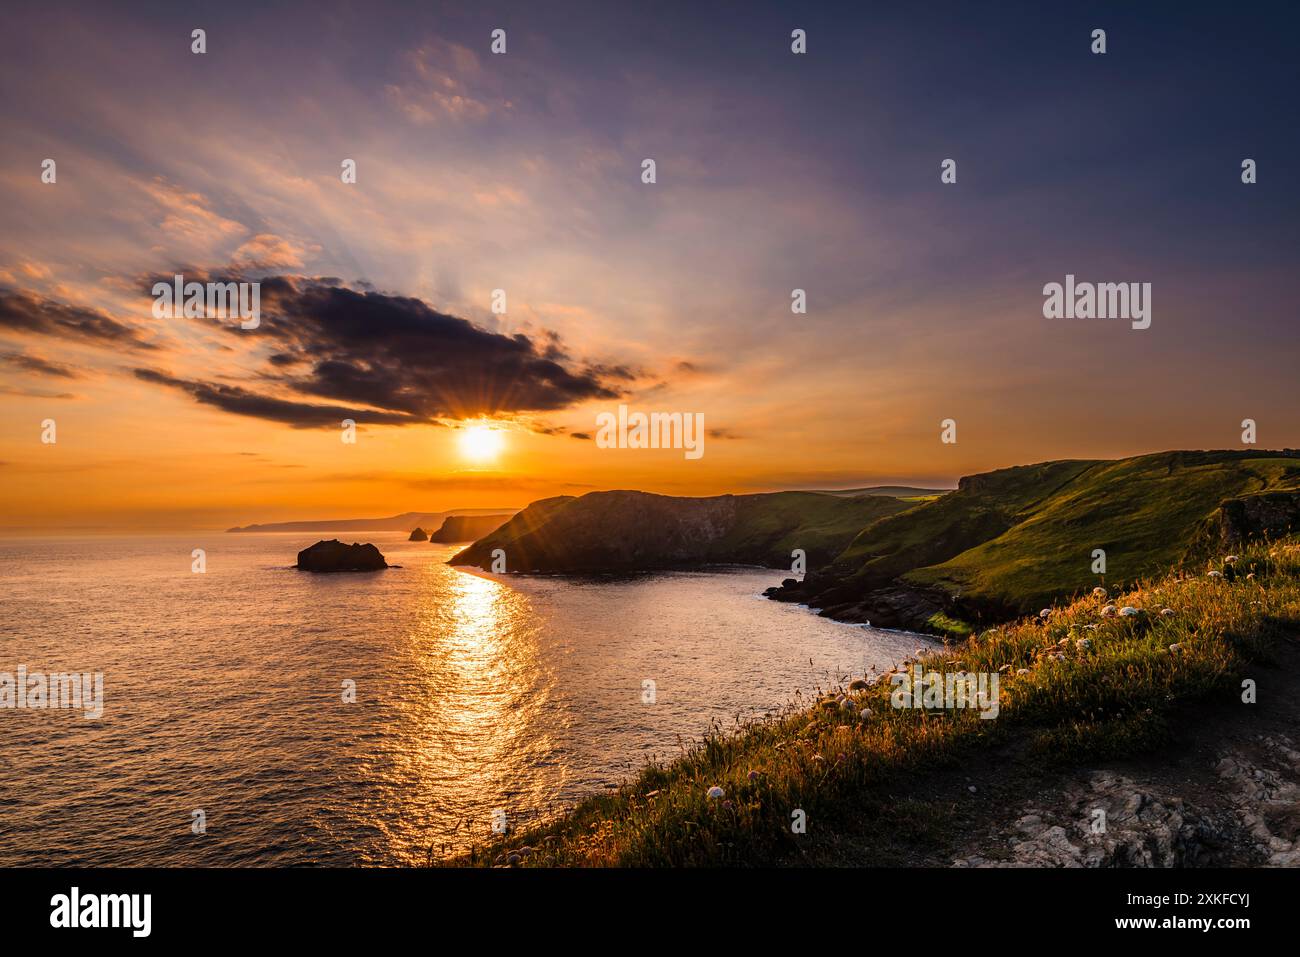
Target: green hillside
x,y
1146,513
1015,540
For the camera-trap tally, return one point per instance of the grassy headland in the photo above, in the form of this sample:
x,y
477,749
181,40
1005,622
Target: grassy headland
x,y
1005,543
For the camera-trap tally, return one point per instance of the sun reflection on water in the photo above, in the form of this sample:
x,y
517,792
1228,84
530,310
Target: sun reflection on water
x,y
486,687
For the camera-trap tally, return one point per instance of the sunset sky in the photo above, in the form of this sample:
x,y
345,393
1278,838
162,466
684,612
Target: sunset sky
x,y
522,172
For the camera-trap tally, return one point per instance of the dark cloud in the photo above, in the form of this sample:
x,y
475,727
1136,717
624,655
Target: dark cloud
x,y
580,435
23,312
39,366
35,393
241,401
396,354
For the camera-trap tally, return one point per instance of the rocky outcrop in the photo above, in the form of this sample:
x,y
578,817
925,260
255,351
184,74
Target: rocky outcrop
x,y
895,606
334,556
418,535
1268,515
1109,820
468,528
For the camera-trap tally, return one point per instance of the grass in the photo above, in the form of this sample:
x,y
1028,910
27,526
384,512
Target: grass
x,y
1076,686
1143,512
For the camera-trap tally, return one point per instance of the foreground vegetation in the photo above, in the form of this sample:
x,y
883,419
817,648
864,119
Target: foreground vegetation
x,y
1101,677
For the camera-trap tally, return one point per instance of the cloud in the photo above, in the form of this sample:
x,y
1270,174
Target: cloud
x,y
26,313
39,366
443,82
35,393
240,401
267,251
397,354
187,214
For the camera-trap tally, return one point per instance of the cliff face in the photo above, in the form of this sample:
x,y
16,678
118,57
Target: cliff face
x,y
467,528
627,531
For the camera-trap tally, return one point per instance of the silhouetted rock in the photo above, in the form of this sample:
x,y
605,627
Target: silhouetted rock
x,y
419,535
334,556
468,528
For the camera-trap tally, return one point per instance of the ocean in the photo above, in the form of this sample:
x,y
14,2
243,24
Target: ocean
x,y
228,738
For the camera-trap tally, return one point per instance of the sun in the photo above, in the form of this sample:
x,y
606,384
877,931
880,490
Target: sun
x,y
481,443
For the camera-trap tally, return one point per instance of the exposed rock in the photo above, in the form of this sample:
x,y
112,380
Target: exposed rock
x,y
1111,821
418,535
1268,515
334,556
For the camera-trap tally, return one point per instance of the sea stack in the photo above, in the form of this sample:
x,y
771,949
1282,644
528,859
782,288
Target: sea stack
x,y
419,535
334,556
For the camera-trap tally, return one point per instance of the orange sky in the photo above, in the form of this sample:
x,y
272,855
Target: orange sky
x,y
522,173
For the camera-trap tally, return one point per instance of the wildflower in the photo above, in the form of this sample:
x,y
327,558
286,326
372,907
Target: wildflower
x,y
716,792
1175,648
1229,559
1109,611
1083,644
1166,612
864,713
1215,575
1128,611
1045,613
1099,592
753,775
1022,671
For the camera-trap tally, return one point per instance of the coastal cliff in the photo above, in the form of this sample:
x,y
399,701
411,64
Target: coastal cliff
x,y
624,531
1003,544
